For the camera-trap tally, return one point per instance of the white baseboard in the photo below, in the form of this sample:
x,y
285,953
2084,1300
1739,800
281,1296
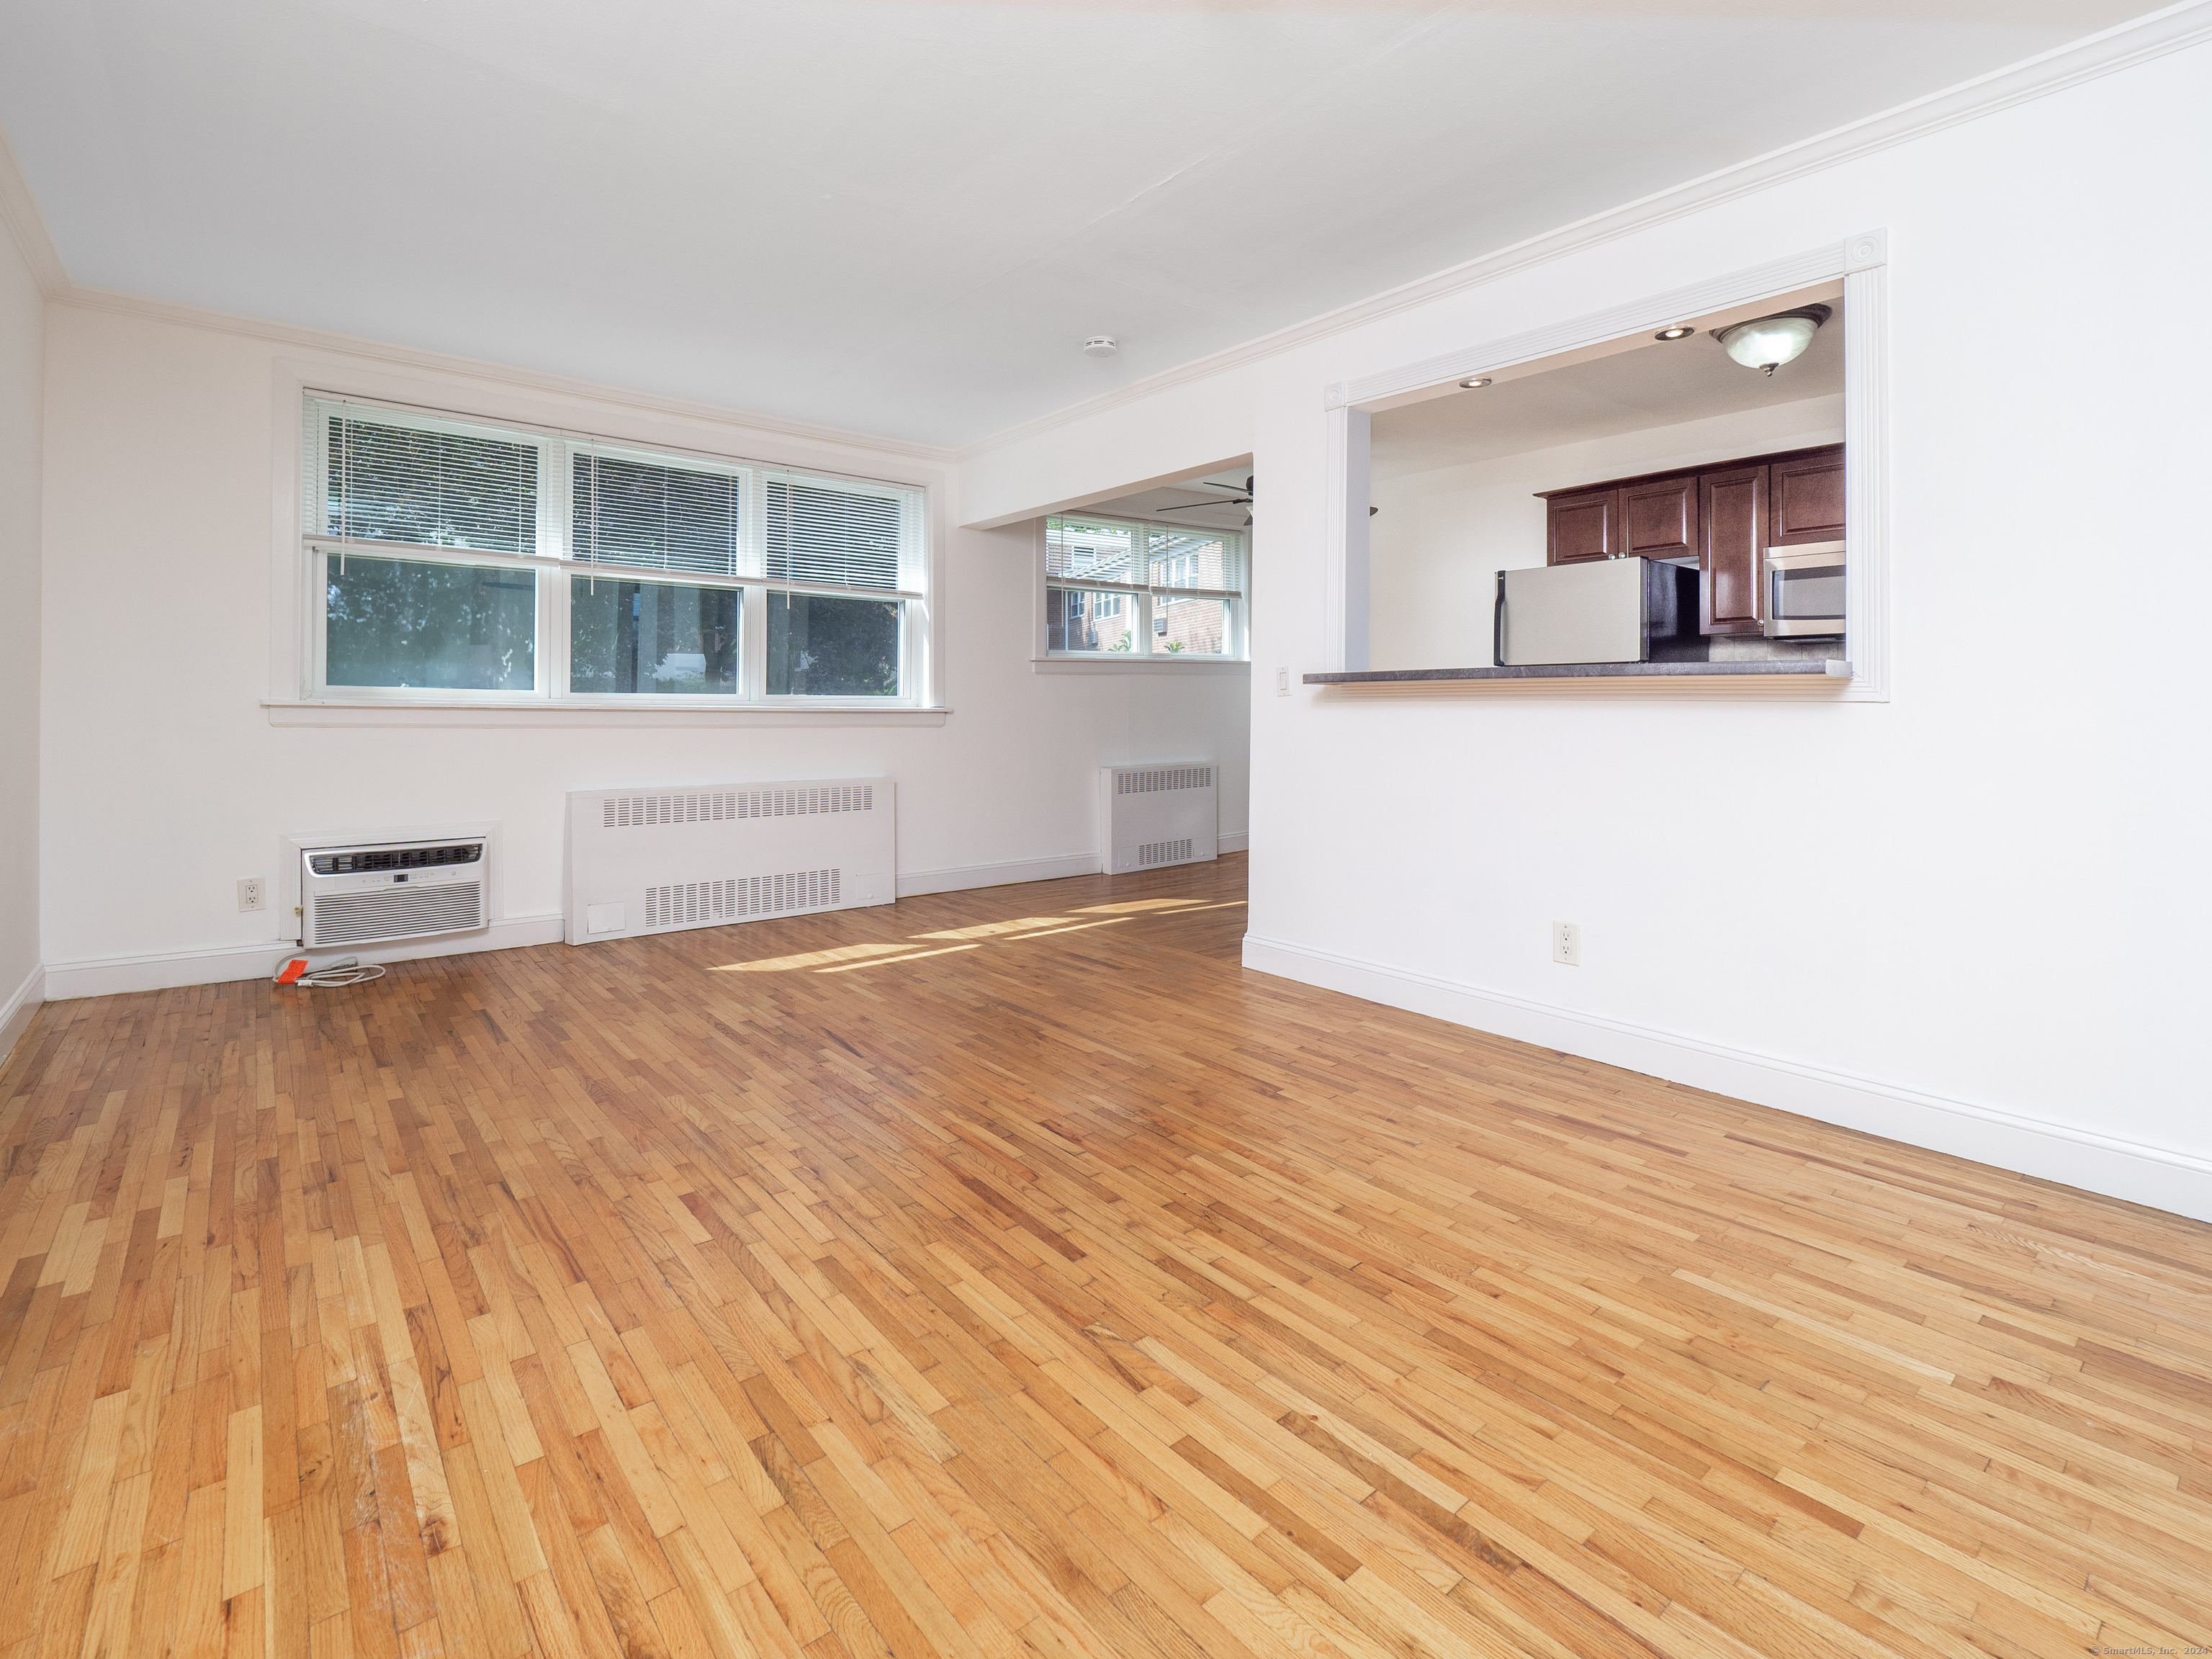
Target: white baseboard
x,y
913,883
2163,1177
17,1012
958,876
103,977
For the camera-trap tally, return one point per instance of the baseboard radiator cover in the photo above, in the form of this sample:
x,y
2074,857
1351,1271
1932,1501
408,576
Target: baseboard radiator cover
x,y
2165,1178
1156,814
654,860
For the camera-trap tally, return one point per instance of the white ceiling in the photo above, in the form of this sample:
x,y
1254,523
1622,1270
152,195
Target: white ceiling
x,y
1655,383
901,216
1186,502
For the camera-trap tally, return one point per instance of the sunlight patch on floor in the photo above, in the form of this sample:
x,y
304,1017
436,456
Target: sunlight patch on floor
x,y
812,958
844,958
885,962
992,929
1133,905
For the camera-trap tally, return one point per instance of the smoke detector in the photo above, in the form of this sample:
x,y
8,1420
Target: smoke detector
x,y
1101,345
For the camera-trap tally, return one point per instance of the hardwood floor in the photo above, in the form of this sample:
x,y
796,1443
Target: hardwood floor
x,y
1010,1273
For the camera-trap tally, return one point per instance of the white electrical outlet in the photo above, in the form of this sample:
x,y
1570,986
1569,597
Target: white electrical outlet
x,y
1567,942
1282,682
252,894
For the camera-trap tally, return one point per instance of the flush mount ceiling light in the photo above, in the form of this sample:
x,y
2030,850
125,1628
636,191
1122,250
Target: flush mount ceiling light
x,y
1101,345
1767,342
1680,331
1477,382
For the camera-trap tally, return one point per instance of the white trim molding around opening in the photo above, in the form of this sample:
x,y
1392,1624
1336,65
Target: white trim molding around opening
x,y
1860,263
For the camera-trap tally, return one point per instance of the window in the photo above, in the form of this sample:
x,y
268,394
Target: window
x,y
1117,587
628,637
448,558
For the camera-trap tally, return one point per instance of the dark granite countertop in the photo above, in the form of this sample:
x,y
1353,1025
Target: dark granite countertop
x,y
1803,667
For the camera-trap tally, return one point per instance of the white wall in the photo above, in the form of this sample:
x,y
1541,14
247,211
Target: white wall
x,y
165,780
1973,917
1440,535
21,333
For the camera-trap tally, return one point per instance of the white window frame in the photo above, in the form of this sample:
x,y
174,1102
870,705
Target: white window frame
x,y
1141,655
553,565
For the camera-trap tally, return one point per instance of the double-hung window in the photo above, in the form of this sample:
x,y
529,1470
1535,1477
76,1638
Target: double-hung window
x,y
1123,588
453,559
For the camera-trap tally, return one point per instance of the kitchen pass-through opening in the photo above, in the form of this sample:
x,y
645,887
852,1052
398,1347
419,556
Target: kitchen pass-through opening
x,y
1713,450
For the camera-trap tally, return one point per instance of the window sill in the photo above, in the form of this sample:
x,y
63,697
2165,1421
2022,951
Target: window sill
x,y
397,711
1121,665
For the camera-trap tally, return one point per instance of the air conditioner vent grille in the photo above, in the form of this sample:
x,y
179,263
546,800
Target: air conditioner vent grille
x,y
397,911
1164,852
717,806
362,860
691,903
1152,779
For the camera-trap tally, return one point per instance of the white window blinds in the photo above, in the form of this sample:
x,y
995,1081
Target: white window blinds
x,y
658,516
1119,553
423,479
818,530
1093,550
389,480
1206,559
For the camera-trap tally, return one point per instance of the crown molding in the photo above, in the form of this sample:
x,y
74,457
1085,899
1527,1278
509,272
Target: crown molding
x,y
27,226
530,380
2123,46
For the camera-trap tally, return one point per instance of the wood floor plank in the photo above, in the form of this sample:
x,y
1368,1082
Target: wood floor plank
x,y
1010,1273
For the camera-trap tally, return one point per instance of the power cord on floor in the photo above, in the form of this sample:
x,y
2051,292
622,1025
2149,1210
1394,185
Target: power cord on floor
x,y
346,971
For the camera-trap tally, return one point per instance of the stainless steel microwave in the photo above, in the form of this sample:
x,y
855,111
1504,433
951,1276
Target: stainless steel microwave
x,y
1804,591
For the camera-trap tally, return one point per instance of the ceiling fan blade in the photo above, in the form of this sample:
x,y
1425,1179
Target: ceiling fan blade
x,y
1195,507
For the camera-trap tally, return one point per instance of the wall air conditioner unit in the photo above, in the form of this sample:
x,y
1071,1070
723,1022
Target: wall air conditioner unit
x,y
653,860
368,892
1158,815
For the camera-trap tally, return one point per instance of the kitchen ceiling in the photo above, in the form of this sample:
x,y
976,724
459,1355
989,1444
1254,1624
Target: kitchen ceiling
x,y
897,215
1656,383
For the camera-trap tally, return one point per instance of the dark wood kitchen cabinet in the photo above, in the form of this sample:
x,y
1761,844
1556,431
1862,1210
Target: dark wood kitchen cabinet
x,y
1585,524
1804,498
1659,519
1734,505
1724,516
1651,517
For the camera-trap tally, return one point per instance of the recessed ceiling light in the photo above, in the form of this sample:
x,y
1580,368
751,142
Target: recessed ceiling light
x,y
1479,380
1101,345
1680,331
